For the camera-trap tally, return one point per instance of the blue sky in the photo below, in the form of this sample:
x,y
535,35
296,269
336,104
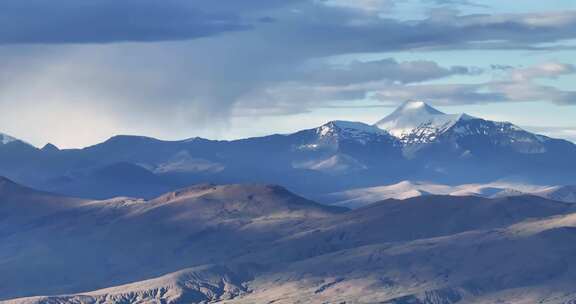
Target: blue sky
x,y
78,72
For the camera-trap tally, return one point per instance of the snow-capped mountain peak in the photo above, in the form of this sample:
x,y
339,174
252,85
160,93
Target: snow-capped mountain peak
x,y
416,124
6,139
333,134
348,127
417,106
350,130
420,119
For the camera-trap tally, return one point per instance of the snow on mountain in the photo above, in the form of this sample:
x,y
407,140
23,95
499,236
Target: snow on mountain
x,y
558,193
356,198
337,137
5,139
499,134
565,194
355,131
349,128
418,122
416,142
340,147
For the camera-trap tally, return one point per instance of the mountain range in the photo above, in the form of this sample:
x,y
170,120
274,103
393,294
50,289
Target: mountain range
x,y
360,197
263,244
416,142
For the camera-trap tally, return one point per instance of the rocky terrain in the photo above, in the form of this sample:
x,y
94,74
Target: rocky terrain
x,y
263,244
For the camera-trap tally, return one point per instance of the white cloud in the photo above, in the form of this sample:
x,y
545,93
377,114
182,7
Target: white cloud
x,y
369,6
567,132
185,88
544,70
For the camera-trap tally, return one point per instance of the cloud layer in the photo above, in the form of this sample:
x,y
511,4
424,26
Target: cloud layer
x,y
153,66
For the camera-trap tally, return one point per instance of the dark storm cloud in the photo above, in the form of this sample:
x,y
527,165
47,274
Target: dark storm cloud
x,y
256,57
84,21
388,70
515,90
517,85
317,26
345,31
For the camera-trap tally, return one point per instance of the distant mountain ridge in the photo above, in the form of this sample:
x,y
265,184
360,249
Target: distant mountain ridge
x,y
356,198
418,125
415,142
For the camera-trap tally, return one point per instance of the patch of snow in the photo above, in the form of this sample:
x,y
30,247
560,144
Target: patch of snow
x,y
408,189
349,127
558,193
336,131
360,132
416,120
6,139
